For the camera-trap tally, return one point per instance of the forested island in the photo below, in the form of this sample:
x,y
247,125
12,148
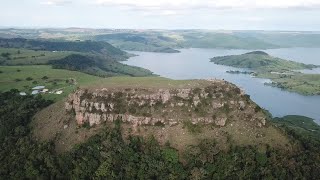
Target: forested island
x,y
283,73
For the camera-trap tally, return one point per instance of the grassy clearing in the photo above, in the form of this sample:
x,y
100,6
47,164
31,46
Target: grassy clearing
x,y
15,56
15,77
24,78
98,65
145,82
306,84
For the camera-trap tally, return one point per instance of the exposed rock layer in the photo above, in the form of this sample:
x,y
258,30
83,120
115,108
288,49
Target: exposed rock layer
x,y
217,104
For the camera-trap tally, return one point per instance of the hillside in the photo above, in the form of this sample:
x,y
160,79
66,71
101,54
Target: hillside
x,y
200,39
19,56
192,124
165,41
282,72
139,42
144,128
178,112
293,39
97,66
301,127
95,58
100,48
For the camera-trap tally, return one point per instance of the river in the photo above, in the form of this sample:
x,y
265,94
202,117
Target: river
x,y
195,64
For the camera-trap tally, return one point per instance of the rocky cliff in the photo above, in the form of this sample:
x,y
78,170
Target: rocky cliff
x,y
217,103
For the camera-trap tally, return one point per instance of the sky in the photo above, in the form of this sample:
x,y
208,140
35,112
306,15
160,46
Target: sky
x,y
293,15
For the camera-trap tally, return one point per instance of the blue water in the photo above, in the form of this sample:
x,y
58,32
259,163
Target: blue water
x,y
194,64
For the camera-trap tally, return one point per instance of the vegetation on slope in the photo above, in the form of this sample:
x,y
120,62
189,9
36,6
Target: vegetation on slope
x,y
95,65
294,39
306,84
15,56
302,128
101,48
139,42
198,39
11,121
109,156
103,63
281,72
165,41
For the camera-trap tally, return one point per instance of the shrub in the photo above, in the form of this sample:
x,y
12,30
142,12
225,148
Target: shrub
x,y
5,55
45,77
159,123
29,78
257,109
86,125
193,128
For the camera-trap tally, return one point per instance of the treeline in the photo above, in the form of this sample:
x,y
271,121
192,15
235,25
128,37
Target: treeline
x,y
16,111
109,156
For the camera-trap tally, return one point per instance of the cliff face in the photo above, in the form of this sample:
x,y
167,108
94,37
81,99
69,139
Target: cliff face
x,y
218,103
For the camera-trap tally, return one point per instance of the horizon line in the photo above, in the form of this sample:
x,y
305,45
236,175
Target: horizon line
x,y
172,29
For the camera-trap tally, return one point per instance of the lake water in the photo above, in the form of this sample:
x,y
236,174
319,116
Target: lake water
x,y
194,64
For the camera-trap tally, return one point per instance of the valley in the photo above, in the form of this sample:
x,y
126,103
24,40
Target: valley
x,y
102,112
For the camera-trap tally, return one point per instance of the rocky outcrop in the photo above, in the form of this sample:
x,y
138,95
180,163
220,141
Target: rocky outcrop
x,y
217,103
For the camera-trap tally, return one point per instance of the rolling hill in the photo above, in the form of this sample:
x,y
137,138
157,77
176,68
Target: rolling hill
x,y
99,48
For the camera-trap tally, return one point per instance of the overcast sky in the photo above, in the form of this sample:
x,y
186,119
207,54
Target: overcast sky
x,y
163,14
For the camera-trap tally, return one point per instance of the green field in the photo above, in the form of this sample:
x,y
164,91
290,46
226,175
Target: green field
x,y
15,56
306,84
98,65
15,77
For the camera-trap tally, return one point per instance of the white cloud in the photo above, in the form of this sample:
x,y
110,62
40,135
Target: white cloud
x,y
56,2
210,4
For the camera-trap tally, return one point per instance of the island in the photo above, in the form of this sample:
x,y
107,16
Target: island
x,y
283,73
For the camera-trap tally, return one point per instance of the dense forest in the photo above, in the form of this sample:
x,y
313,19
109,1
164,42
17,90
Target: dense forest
x,y
109,156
